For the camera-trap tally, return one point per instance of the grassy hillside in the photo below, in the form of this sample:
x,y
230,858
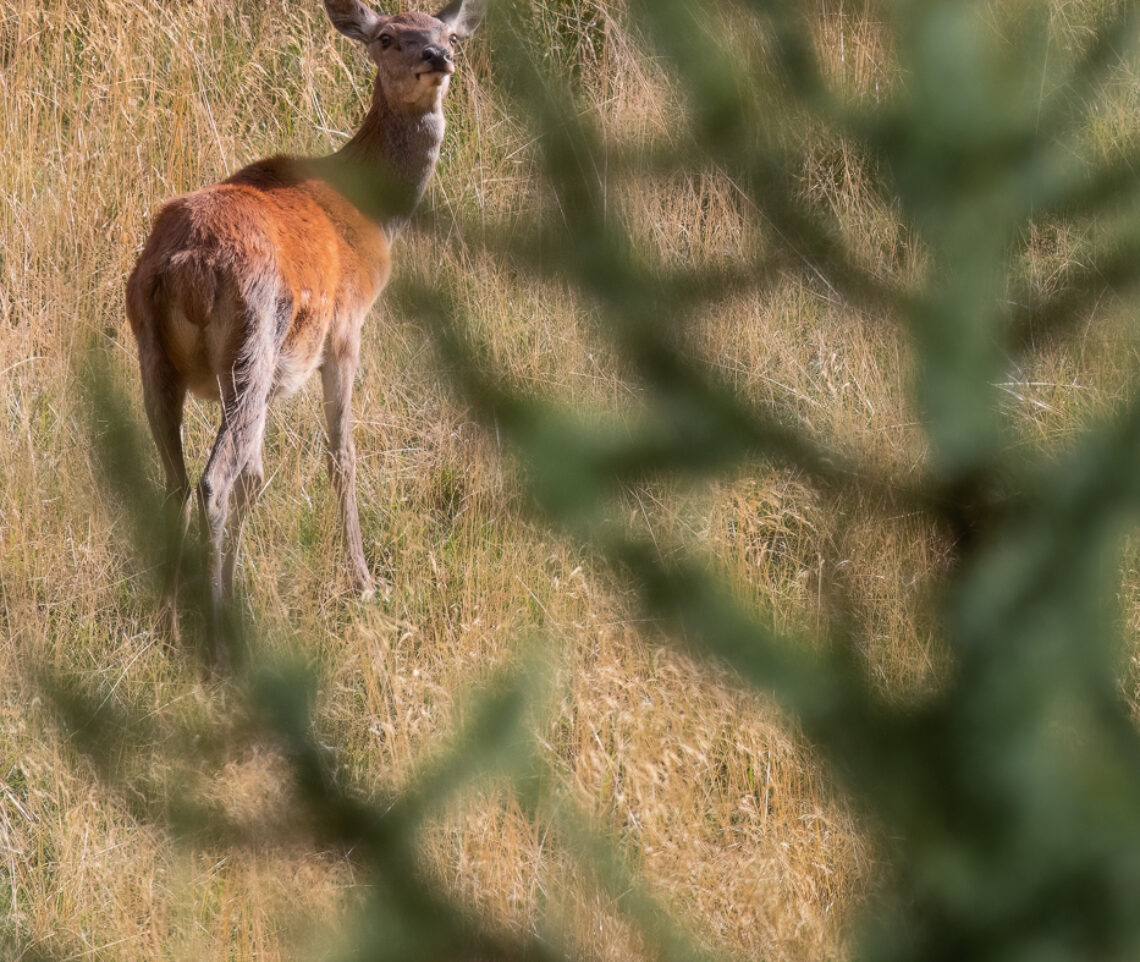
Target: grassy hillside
x,y
111,106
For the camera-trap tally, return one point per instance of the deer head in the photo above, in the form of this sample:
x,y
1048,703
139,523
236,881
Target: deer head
x,y
414,52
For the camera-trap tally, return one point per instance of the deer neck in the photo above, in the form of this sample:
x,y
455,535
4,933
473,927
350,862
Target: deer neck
x,y
384,169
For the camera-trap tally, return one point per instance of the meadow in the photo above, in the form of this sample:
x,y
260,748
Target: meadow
x,y
709,789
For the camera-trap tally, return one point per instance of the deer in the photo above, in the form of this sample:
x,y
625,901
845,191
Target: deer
x,y
244,288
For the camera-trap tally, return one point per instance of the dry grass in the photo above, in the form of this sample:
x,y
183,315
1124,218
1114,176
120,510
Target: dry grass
x,y
111,106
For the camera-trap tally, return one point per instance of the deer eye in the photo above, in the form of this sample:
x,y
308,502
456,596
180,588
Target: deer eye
x,y
454,39
385,41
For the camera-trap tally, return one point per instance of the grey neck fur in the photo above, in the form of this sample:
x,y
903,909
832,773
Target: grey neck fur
x,y
384,169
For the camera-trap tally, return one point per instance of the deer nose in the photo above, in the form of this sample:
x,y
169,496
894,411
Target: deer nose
x,y
437,57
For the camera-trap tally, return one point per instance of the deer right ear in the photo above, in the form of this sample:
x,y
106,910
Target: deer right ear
x,y
462,16
355,20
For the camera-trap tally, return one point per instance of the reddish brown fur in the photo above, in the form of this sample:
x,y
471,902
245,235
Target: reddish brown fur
x,y
267,228
244,288
272,227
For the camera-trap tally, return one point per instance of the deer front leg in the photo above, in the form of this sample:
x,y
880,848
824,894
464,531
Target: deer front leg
x,y
336,378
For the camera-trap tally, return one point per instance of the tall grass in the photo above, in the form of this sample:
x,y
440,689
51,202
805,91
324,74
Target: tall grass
x,y
707,789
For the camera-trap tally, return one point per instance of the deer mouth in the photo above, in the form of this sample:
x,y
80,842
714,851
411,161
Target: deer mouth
x,y
436,72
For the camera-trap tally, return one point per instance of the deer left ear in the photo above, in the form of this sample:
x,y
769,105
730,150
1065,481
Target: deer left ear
x,y
463,16
354,19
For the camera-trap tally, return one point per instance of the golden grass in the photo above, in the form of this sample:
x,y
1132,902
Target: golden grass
x,y
111,106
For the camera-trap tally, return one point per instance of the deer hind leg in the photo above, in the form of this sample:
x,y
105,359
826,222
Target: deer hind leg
x,y
235,462
246,491
164,396
336,379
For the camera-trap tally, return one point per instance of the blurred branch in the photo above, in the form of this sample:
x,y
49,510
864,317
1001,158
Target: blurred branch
x,y
606,860
692,426
1111,42
1079,288
977,783
422,921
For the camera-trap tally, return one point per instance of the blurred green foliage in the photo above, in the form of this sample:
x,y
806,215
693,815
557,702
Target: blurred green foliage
x,y
1012,795
1009,802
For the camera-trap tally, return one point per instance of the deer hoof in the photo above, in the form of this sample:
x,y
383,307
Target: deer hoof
x,y
168,628
364,587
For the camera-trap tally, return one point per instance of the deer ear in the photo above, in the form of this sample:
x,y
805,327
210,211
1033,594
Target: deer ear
x,y
354,19
462,16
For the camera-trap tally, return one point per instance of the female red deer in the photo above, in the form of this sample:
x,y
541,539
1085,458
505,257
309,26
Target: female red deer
x,y
245,288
